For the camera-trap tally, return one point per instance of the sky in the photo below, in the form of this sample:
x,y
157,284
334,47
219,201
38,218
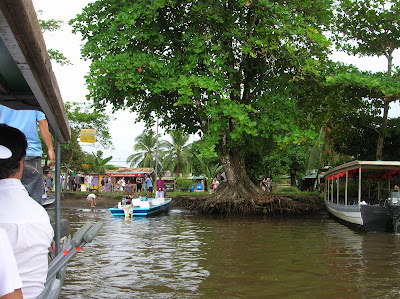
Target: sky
x,y
123,129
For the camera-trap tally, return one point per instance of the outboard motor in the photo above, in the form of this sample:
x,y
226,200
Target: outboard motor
x,y
126,200
394,207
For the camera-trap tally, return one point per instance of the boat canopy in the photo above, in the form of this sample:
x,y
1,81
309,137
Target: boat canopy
x,y
27,80
372,169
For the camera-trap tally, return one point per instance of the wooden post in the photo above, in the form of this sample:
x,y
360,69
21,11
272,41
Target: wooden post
x,y
337,190
359,185
345,192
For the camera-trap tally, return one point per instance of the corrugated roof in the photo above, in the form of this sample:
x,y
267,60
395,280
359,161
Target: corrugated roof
x,y
130,170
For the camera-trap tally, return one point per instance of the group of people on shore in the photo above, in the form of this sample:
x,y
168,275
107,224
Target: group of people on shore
x,y
72,183
135,186
220,178
266,184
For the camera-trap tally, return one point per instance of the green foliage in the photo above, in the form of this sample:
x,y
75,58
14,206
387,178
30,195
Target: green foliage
x,y
53,25
83,116
183,183
294,190
49,25
177,155
58,57
146,145
369,28
287,190
373,24
356,135
97,163
232,71
379,87
289,160
209,171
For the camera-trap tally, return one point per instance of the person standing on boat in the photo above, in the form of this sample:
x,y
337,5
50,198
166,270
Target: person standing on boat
x,y
27,121
160,187
149,185
26,222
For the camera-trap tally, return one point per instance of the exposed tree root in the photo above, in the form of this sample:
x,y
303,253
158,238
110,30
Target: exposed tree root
x,y
233,202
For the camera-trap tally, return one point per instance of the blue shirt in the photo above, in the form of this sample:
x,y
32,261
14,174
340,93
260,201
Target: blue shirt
x,y
26,122
149,182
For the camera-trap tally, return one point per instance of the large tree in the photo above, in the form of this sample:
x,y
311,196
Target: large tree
x,y
371,28
229,69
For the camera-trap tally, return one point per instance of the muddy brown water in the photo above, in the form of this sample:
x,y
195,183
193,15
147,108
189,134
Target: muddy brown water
x,y
182,255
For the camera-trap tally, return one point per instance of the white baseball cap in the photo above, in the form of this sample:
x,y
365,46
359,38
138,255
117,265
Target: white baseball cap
x,y
5,152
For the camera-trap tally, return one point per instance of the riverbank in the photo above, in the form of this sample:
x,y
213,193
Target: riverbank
x,y
266,203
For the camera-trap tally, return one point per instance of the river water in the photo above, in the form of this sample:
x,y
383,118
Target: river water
x,y
181,255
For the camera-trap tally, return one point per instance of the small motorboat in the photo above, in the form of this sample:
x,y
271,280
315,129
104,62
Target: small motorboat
x,y
47,200
142,206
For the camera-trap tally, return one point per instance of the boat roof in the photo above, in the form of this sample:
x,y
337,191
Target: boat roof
x,y
27,80
364,165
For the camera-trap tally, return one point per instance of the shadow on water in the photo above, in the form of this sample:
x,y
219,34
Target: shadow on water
x,y
181,255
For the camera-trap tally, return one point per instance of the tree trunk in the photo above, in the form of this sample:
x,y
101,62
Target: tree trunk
x,y
237,194
293,178
382,131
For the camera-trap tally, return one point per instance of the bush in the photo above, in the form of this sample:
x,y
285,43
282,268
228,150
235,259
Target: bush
x,y
294,190
287,190
183,184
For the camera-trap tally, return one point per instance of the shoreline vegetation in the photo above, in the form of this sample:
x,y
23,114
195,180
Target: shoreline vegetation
x,y
290,203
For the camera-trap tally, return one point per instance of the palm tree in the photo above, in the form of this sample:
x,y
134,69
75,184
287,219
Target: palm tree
x,y
177,155
145,148
210,171
97,163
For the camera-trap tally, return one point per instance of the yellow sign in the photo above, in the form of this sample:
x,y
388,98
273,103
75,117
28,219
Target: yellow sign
x,y
88,135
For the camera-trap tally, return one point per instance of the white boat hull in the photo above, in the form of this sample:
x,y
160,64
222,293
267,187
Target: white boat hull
x,y
349,213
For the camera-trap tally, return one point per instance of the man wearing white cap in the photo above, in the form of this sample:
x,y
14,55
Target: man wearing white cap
x,y
27,121
25,221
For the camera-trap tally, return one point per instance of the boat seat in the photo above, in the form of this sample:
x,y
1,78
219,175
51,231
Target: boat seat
x,y
144,205
136,202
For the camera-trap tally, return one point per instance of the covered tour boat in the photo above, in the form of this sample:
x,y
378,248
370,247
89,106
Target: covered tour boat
x,y
365,193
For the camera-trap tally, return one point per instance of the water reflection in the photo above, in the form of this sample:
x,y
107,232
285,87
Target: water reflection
x,y
187,256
